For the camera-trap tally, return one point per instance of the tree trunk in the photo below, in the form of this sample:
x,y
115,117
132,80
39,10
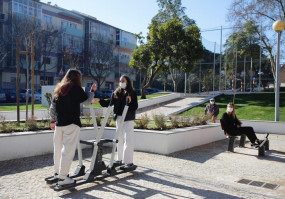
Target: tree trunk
x,y
143,95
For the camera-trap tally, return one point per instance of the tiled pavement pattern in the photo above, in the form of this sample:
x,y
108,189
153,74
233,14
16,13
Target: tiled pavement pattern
x,y
207,171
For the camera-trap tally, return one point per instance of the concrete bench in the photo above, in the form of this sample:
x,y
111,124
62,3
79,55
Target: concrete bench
x,y
261,149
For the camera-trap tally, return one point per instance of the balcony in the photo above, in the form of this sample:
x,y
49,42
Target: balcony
x,y
73,31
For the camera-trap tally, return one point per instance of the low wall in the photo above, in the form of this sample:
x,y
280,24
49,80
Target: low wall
x,y
265,126
25,144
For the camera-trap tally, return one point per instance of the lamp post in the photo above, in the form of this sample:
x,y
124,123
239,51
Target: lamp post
x,y
277,26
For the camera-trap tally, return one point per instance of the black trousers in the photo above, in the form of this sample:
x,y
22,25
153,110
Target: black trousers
x,y
247,130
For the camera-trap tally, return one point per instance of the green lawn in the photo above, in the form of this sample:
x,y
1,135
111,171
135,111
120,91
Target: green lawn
x,y
257,106
39,106
22,107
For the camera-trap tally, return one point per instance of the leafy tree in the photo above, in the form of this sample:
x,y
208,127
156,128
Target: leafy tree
x,y
173,42
245,43
264,12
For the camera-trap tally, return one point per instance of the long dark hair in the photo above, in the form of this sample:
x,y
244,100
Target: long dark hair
x,y
129,90
71,76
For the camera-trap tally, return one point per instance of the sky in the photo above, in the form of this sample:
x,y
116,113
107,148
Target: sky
x,y
135,15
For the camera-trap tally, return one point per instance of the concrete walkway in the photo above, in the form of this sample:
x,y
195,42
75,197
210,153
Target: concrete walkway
x,y
207,171
168,106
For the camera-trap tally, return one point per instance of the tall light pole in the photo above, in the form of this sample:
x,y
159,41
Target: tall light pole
x,y
277,26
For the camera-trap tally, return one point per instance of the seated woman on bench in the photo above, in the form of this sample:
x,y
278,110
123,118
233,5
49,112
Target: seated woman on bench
x,y
232,126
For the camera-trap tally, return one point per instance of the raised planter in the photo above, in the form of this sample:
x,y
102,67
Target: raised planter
x,y
25,144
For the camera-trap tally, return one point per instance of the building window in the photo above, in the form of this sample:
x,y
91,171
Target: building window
x,y
21,10
73,25
25,10
15,7
64,24
47,19
31,11
47,60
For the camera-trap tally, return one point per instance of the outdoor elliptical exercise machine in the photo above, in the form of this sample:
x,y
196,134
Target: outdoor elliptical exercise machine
x,y
97,165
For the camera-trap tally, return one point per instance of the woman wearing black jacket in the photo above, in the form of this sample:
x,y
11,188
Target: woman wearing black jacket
x,y
65,121
232,126
122,95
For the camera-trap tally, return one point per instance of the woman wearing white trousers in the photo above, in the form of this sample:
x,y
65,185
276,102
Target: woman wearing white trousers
x,y
122,95
65,121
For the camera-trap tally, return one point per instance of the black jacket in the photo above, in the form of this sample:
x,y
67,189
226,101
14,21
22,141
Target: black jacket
x,y
68,105
119,105
229,123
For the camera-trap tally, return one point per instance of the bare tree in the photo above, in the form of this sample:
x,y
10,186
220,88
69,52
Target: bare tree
x,y
46,44
100,60
24,29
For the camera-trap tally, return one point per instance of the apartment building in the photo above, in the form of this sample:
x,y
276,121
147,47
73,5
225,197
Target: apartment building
x,y
64,40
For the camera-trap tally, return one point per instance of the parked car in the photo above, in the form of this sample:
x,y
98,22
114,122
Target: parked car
x,y
138,91
37,95
2,95
107,93
11,95
98,94
152,90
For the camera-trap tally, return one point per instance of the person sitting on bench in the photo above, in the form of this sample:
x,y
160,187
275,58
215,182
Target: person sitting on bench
x,y
232,126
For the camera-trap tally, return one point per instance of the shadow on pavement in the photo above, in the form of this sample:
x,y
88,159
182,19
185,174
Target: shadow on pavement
x,y
202,153
139,185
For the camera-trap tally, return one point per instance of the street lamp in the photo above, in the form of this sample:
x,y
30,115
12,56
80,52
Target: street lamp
x,y
277,26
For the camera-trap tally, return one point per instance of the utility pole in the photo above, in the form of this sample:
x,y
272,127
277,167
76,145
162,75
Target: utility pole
x,y
33,76
214,67
220,58
244,73
18,79
251,74
260,58
200,79
226,73
236,71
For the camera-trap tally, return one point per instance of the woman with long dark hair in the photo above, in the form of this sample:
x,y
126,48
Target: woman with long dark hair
x,y
232,126
65,121
122,95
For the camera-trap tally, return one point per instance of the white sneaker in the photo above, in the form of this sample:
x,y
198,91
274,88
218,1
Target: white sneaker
x,y
66,181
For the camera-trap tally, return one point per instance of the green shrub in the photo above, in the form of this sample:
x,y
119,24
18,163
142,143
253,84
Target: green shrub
x,y
143,122
31,124
159,121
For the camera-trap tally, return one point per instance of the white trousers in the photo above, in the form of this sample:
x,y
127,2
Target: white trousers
x,y
65,140
125,146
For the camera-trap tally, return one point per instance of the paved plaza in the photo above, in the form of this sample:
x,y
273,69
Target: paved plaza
x,y
207,171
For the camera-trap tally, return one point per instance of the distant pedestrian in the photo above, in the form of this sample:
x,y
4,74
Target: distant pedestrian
x,y
212,109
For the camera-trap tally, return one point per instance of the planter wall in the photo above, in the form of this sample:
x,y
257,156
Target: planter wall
x,y
25,144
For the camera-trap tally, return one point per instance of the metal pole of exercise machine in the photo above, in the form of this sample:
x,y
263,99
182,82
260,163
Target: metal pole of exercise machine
x,y
98,138
119,131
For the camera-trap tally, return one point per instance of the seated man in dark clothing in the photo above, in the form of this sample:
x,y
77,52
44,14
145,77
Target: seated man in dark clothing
x,y
232,126
212,109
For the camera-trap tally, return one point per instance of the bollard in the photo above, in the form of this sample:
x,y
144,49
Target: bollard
x,y
231,143
266,145
242,140
261,150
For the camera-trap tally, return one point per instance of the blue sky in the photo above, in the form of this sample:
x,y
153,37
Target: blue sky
x,y
135,15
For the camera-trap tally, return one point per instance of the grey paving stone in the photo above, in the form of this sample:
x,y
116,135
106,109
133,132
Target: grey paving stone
x,y
207,171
